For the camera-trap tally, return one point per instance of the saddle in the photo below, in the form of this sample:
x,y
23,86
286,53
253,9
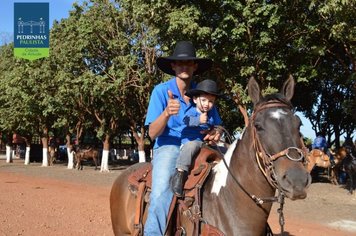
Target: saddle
x,y
320,154
140,183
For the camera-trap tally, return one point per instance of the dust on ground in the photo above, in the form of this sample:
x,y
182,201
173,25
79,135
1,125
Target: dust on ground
x,y
36,200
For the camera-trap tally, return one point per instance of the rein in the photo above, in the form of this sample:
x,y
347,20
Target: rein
x,y
259,200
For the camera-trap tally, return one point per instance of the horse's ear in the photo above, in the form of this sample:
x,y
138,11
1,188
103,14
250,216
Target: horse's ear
x,y
288,88
254,90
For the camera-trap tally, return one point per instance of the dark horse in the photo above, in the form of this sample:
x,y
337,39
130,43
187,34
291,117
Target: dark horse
x,y
236,196
86,154
349,164
52,154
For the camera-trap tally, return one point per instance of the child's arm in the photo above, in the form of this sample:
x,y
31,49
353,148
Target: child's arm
x,y
191,120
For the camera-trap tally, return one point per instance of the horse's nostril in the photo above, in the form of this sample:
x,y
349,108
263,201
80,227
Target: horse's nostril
x,y
284,177
301,179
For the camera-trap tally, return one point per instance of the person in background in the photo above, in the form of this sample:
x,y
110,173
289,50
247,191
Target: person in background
x,y
321,144
198,120
167,107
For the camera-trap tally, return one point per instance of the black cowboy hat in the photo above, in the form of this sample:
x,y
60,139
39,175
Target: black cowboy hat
x,y
183,51
205,86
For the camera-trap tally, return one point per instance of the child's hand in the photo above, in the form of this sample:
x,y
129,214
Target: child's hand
x,y
204,118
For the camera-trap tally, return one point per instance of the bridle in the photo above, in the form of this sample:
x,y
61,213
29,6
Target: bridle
x,y
266,162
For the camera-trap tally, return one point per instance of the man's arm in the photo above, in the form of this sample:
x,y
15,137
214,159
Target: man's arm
x,y
157,127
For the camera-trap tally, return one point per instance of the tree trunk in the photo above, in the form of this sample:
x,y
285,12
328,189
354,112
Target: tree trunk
x,y
8,153
105,155
27,155
337,136
69,152
140,143
28,149
9,144
44,140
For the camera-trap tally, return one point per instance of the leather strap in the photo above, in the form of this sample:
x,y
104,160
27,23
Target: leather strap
x,y
197,210
138,226
170,212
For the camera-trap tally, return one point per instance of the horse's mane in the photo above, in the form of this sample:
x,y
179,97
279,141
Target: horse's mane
x,y
275,96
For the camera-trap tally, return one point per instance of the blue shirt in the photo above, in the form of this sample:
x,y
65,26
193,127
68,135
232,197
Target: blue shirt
x,y
172,133
193,128
319,143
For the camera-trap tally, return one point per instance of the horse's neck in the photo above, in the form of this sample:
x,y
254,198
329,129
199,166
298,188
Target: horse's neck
x,y
245,165
231,209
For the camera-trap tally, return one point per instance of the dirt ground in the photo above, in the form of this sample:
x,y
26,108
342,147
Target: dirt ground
x,y
36,200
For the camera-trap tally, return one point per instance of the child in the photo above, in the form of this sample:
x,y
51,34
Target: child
x,y
197,122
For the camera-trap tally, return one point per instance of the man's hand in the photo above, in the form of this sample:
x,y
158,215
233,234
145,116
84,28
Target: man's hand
x,y
173,105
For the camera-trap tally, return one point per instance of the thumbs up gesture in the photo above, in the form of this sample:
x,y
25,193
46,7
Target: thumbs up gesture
x,y
173,105
203,118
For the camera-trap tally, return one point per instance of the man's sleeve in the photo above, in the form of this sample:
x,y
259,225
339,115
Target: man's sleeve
x,y
157,104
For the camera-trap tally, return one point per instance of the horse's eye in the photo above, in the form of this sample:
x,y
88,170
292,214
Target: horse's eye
x,y
258,127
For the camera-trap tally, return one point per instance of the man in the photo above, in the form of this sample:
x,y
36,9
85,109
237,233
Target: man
x,y
321,144
166,110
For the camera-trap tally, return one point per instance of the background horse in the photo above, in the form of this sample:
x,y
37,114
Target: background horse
x,y
236,197
349,165
86,154
52,154
317,158
339,156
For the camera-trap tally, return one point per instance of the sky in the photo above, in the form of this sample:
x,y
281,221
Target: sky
x,y
59,9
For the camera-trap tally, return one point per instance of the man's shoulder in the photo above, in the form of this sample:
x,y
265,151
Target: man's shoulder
x,y
163,86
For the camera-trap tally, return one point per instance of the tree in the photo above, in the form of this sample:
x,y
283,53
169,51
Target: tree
x,y
24,107
101,67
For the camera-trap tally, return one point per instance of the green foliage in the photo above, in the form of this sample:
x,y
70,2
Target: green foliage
x,y
102,69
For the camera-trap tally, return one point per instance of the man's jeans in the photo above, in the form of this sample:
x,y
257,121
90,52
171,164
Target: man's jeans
x,y
164,161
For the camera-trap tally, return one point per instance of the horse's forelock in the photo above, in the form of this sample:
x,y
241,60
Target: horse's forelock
x,y
274,97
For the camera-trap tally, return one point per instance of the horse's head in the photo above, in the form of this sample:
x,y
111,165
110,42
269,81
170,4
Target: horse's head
x,y
277,140
339,155
349,145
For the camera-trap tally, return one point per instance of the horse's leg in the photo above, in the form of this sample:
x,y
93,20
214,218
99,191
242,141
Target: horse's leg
x,y
333,176
54,156
351,182
50,159
95,162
